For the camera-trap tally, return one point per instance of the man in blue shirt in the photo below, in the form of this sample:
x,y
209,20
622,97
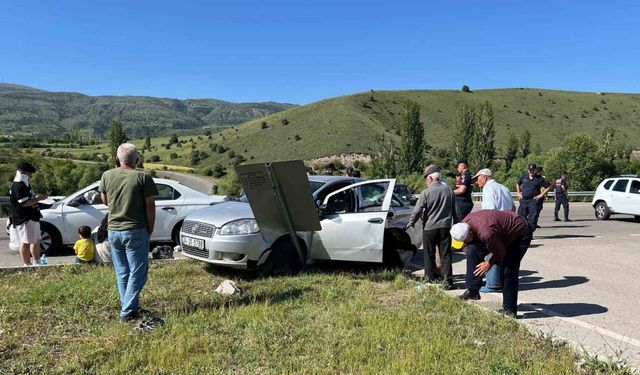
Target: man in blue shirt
x,y
528,188
495,196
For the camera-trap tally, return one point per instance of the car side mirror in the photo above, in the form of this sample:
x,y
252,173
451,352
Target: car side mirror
x,y
74,202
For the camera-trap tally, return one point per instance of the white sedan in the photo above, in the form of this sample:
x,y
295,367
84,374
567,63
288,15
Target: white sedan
x,y
60,223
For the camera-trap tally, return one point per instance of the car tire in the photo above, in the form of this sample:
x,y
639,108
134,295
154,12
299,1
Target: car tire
x,y
637,217
395,239
175,234
51,242
282,261
602,211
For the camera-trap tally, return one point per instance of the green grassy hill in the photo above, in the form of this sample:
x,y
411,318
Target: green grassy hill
x,y
349,124
28,111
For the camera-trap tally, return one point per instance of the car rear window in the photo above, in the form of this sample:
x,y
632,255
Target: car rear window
x,y
621,185
635,187
608,184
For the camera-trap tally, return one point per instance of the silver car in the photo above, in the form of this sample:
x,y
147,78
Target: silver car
x,y
359,220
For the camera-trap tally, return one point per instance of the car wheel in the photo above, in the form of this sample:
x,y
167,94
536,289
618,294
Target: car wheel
x,y
175,234
602,211
282,261
51,241
637,217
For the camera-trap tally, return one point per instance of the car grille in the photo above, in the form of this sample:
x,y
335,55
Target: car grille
x,y
204,253
198,228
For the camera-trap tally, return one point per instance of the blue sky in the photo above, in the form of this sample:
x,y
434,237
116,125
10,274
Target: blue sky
x,y
303,51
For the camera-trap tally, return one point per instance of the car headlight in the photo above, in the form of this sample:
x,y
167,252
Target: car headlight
x,y
242,226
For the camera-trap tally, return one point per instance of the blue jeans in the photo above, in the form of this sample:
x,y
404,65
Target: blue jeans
x,y
130,253
494,277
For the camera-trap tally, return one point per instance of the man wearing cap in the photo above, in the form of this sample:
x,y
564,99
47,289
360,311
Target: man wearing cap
x,y
464,189
561,197
495,196
503,236
25,215
436,207
528,188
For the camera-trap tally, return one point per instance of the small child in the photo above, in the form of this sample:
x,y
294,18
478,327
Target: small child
x,y
85,248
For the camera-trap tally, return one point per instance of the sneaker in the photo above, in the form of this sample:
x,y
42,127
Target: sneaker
x,y
568,220
470,295
508,313
485,289
131,317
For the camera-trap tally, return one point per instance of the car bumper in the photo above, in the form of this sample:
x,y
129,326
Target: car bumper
x,y
238,252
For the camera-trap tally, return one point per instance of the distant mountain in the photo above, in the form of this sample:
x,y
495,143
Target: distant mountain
x,y
29,111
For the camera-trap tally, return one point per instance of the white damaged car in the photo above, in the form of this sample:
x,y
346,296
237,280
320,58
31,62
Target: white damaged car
x,y
361,221
59,224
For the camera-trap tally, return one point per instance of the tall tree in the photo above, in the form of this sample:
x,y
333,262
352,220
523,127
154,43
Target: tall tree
x,y
512,151
116,137
384,163
607,140
525,144
412,143
485,133
464,132
147,143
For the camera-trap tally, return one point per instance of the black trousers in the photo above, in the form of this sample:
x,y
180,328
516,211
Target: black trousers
x,y
463,208
510,263
530,210
562,201
440,238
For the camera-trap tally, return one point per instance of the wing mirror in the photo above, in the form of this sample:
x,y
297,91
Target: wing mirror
x,y
75,202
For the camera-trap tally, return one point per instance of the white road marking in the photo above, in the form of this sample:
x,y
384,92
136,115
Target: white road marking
x,y
635,234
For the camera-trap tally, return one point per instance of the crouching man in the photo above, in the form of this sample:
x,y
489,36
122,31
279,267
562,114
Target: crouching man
x,y
506,237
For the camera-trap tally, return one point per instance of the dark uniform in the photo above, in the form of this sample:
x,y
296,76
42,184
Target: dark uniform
x,y
530,187
540,201
464,203
561,199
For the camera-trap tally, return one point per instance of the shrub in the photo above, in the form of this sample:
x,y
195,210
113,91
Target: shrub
x,y
155,158
264,125
466,88
285,121
297,137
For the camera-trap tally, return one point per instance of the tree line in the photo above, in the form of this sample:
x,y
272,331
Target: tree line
x,y
587,158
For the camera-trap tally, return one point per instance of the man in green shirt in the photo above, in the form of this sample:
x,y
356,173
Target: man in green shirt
x,y
129,194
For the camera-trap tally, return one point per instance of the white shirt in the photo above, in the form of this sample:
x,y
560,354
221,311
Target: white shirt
x,y
496,196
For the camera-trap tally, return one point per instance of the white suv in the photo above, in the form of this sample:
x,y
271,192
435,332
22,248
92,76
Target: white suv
x,y
617,195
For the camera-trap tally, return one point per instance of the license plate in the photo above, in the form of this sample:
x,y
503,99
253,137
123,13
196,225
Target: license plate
x,y
194,242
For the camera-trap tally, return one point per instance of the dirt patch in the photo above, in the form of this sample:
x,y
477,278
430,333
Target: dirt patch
x,y
346,159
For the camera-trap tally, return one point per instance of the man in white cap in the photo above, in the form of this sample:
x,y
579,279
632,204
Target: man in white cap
x,y
504,236
495,196
436,207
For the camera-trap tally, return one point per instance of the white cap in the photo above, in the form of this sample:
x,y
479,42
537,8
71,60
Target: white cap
x,y
459,233
483,172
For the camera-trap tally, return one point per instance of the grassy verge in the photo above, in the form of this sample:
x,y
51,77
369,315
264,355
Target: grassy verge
x,y
63,320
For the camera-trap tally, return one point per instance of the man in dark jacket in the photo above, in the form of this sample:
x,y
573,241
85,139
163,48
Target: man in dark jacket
x,y
25,215
437,208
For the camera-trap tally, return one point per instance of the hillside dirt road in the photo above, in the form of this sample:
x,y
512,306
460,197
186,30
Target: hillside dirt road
x,y
199,183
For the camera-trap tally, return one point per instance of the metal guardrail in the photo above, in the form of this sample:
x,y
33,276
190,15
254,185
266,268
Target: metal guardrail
x,y
550,194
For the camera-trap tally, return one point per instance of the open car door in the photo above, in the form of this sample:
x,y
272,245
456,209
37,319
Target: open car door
x,y
353,221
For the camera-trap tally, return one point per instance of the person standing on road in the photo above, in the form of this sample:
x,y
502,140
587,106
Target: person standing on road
x,y
495,196
503,236
561,197
539,172
464,189
528,189
129,194
436,207
25,214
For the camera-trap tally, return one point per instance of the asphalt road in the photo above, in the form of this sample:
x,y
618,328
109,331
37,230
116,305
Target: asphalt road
x,y
579,282
199,183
